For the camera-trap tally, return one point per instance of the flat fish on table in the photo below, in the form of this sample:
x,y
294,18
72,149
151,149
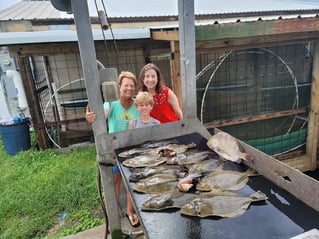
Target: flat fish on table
x,y
144,161
176,148
221,180
156,184
206,166
228,147
156,144
222,204
133,152
172,199
140,173
193,158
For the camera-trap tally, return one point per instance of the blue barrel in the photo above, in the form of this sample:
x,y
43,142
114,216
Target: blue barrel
x,y
15,137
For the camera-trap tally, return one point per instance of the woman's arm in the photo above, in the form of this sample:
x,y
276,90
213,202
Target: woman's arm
x,y
89,115
173,101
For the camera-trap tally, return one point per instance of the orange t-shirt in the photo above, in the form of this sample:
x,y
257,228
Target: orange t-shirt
x,y
162,110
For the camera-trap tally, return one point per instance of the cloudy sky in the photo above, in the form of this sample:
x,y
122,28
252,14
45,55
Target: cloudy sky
x,y
5,4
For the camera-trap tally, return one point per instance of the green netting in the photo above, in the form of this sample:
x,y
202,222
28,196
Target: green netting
x,y
280,143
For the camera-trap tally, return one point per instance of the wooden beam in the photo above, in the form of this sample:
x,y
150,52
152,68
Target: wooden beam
x,y
175,71
252,34
256,28
302,163
255,42
166,35
33,102
313,123
242,120
43,49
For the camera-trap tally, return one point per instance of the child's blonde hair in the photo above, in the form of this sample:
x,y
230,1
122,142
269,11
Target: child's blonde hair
x,y
143,97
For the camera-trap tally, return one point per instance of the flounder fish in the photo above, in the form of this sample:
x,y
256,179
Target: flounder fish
x,y
156,184
222,204
172,199
177,148
228,147
144,161
156,144
221,180
174,160
140,173
206,166
133,152
193,158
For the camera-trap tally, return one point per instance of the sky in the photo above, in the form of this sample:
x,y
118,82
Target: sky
x,y
6,4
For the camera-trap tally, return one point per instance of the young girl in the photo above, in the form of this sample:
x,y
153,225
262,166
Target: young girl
x,y
144,104
166,107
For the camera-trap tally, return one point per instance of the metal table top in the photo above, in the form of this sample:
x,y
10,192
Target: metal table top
x,y
280,216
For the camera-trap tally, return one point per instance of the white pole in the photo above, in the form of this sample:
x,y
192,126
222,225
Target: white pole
x,y
58,105
16,77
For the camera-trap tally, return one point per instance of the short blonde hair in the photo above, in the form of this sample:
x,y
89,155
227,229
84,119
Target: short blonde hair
x,y
143,97
126,74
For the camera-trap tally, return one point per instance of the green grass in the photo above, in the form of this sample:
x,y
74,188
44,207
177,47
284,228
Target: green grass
x,y
37,187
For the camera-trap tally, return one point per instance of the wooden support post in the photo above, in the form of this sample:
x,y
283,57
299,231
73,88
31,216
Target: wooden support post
x,y
175,71
313,123
186,19
105,153
33,102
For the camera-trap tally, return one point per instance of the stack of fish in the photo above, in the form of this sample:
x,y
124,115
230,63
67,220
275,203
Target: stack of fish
x,y
194,181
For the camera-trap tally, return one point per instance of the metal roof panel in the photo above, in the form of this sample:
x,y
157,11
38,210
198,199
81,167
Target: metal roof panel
x,y
144,8
15,38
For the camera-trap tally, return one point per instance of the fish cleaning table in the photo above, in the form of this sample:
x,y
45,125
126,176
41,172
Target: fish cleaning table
x,y
280,216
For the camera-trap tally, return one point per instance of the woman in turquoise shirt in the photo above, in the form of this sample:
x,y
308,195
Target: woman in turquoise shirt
x,y
122,112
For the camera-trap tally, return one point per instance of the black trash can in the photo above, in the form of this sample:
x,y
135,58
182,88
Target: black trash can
x,y
15,137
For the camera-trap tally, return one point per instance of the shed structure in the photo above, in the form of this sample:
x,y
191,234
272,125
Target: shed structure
x,y
256,74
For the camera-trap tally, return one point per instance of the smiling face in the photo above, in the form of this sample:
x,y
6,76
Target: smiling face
x,y
144,108
144,103
127,87
150,80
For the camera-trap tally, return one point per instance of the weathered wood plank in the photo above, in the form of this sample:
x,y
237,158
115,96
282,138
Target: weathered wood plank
x,y
254,42
33,101
242,120
43,49
166,35
256,28
302,163
252,34
313,122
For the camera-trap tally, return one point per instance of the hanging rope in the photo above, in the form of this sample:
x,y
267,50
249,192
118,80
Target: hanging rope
x,y
111,30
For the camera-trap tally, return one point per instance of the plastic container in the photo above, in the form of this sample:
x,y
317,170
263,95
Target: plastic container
x,y
15,137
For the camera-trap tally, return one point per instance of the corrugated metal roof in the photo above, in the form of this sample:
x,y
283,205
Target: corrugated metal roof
x,y
145,8
139,8
32,10
13,38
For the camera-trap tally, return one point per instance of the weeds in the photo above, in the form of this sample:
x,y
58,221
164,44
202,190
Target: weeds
x,y
37,187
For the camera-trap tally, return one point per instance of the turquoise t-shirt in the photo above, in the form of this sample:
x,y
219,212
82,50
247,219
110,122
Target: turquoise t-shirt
x,y
119,118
